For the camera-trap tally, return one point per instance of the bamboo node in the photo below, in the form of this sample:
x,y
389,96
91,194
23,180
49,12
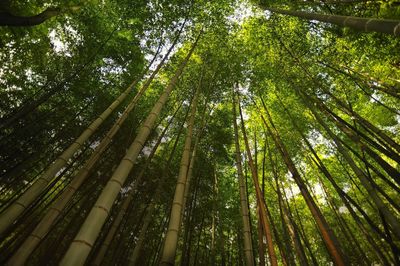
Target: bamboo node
x,y
36,236
396,30
102,208
82,242
177,203
20,204
116,181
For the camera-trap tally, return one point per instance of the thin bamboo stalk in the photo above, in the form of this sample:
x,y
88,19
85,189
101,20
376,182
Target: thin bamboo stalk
x,y
83,242
171,238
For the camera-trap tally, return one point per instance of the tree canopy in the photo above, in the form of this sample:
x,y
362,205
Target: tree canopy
x,y
177,132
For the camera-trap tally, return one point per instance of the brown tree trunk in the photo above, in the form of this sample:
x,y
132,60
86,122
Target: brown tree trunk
x,y
8,19
248,246
330,240
259,196
382,207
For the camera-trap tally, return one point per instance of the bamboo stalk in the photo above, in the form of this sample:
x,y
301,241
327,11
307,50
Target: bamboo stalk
x,y
84,241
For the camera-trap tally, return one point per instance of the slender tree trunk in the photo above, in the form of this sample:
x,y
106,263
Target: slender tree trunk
x,y
83,243
300,227
343,196
214,218
16,209
330,240
363,24
260,197
135,255
191,164
261,245
390,218
294,235
121,214
171,237
187,239
198,240
247,241
55,210
8,19
286,255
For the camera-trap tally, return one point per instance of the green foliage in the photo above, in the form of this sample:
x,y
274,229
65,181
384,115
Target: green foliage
x,y
75,64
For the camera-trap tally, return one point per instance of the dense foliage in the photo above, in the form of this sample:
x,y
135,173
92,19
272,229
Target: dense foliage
x,y
317,112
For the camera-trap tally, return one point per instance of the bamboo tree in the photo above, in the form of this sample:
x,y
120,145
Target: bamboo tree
x,y
391,219
134,256
363,24
122,212
214,218
56,209
260,197
294,235
171,237
19,206
189,230
330,240
248,248
348,202
83,242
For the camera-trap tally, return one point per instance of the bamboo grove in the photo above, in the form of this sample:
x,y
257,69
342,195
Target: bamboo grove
x,y
177,132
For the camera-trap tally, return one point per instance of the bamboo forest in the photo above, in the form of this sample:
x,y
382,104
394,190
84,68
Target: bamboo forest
x,y
194,132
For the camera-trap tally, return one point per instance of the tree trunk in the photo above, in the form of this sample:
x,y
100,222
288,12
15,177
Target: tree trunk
x,y
330,240
171,237
121,214
363,24
391,219
294,235
135,255
8,19
247,241
83,243
57,207
259,196
191,165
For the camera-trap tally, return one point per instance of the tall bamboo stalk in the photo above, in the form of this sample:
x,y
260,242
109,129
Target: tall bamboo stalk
x,y
83,242
134,256
57,207
19,206
328,235
387,26
260,197
191,165
121,214
247,243
171,237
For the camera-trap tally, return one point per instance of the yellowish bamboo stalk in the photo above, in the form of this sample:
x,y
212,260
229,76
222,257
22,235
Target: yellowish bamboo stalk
x,y
127,201
244,210
171,238
87,235
57,207
11,214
